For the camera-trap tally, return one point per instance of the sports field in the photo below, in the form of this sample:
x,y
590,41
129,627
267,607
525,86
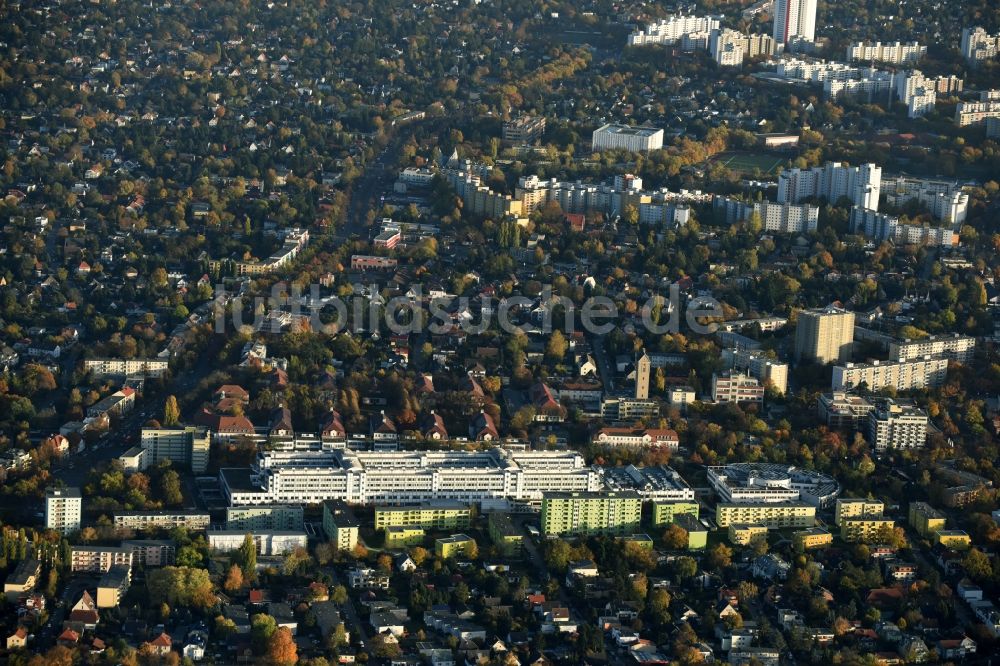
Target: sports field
x,y
747,163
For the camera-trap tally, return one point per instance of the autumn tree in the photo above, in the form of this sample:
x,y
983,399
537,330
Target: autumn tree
x,y
675,537
281,648
171,412
246,557
234,580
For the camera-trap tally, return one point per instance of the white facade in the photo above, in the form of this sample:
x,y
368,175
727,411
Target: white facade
x,y
896,425
62,509
882,226
757,483
977,113
860,184
953,347
978,45
775,217
794,19
759,366
268,543
623,137
406,477
901,375
895,53
673,29
130,367
736,387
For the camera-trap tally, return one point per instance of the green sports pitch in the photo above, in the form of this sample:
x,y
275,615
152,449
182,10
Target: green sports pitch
x,y
768,165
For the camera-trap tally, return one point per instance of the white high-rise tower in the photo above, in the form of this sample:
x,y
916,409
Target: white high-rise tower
x,y
794,19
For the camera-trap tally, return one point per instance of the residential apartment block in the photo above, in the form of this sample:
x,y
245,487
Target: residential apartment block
x,y
275,542
732,386
186,445
843,410
123,368
897,425
673,29
978,113
264,517
774,515
977,45
901,375
895,53
340,525
591,513
824,336
665,513
62,509
787,217
165,519
730,48
954,347
768,371
925,519
432,516
98,559
524,130
854,507
861,184
794,20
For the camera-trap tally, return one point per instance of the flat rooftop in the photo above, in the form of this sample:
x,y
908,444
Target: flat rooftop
x,y
626,129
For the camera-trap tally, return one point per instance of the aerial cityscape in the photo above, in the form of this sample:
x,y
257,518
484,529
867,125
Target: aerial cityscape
x,y
500,332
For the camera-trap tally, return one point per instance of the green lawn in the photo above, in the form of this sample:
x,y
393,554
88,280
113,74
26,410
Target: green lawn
x,y
748,163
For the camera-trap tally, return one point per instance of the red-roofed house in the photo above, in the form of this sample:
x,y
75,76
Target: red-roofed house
x,y
547,408
161,644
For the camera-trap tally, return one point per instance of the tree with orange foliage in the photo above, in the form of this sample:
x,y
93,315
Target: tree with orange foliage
x,y
281,648
234,580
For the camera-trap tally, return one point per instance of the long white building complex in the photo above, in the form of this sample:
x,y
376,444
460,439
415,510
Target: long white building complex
x,y
673,30
882,226
624,137
902,375
954,347
895,53
978,45
752,483
978,113
861,184
778,217
405,477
